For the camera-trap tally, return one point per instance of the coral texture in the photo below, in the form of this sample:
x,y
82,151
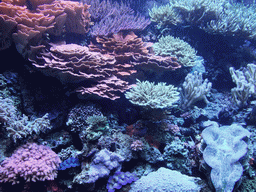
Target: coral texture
x,y
68,163
102,164
46,16
153,96
105,69
171,46
19,127
32,162
165,179
195,89
245,80
217,17
120,179
112,17
225,147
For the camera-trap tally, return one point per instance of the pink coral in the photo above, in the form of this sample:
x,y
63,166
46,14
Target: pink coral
x,y
32,162
137,145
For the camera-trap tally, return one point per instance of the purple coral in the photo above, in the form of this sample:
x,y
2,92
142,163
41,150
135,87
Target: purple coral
x,y
112,17
120,179
32,162
112,25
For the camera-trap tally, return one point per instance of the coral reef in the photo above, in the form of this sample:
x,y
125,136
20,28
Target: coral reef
x,y
32,162
171,46
194,89
123,99
218,17
225,147
103,162
17,126
120,179
152,96
68,163
245,84
163,179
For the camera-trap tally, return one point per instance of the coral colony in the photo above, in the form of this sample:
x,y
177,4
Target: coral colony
x,y
127,96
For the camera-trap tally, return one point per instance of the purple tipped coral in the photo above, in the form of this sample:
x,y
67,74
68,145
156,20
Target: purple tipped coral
x,y
120,179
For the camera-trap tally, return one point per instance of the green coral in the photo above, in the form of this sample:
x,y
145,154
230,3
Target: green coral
x,y
171,46
98,124
218,17
152,96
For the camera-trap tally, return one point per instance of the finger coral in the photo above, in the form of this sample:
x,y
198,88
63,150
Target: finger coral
x,y
32,162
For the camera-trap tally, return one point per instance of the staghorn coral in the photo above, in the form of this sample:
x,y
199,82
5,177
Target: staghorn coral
x,y
112,25
152,96
32,162
100,9
17,126
112,17
171,46
198,12
217,17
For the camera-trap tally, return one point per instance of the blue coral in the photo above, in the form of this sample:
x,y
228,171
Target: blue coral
x,y
70,162
120,179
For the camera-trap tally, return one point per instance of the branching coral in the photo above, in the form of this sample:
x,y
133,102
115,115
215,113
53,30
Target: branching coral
x,y
19,127
171,46
153,96
219,16
112,17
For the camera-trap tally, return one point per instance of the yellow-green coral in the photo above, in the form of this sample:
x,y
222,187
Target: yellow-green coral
x,y
152,96
217,16
171,46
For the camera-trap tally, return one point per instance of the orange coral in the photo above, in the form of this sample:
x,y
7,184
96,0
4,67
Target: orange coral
x,y
122,46
74,15
33,3
72,63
